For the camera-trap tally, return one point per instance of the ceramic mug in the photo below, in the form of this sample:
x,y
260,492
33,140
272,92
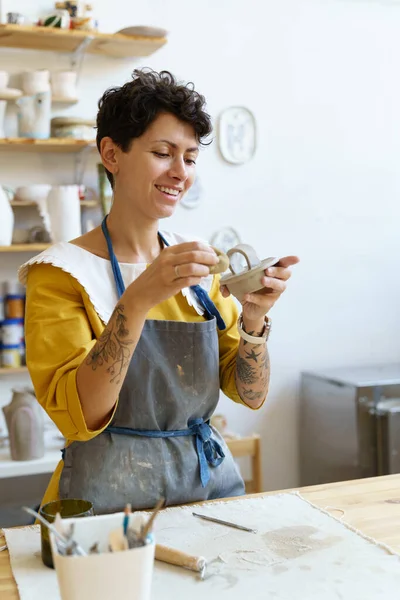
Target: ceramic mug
x,y
63,84
35,82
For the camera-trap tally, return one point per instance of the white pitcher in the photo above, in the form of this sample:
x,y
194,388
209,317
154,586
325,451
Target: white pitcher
x,y
7,217
64,207
34,114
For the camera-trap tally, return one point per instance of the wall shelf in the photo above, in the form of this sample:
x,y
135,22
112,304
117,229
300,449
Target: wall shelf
x,y
67,40
24,248
60,100
13,371
49,145
83,203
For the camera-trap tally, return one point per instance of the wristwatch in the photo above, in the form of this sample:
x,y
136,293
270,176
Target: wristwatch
x,y
253,339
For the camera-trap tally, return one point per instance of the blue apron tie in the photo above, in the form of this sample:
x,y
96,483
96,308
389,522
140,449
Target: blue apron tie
x,y
209,451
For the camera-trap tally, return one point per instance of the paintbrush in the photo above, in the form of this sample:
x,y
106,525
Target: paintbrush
x,y
127,512
146,529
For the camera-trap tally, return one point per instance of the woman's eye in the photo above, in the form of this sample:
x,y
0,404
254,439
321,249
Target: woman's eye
x,y
161,154
190,161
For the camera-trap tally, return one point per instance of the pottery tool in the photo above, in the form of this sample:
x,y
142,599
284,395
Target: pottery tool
x,y
67,543
227,523
181,559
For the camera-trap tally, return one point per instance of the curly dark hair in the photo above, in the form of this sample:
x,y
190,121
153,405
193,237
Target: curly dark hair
x,y
126,112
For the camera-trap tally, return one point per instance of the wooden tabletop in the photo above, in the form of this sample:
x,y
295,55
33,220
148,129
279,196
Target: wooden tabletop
x,y
370,505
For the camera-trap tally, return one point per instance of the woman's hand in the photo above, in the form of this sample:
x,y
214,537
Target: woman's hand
x,y
258,304
177,267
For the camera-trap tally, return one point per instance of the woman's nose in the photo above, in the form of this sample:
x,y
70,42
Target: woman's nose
x,y
178,169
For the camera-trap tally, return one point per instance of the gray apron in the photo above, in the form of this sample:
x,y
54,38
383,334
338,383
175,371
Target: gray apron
x,y
159,442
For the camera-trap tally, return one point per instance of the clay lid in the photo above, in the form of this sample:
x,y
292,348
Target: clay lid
x,y
254,265
65,121
243,275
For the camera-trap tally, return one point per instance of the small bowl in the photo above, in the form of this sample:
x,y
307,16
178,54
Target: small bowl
x,y
249,280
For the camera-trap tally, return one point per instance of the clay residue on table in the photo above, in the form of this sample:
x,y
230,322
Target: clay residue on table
x,y
292,542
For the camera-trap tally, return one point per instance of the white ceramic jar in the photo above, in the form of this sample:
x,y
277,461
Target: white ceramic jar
x,y
63,85
64,207
35,82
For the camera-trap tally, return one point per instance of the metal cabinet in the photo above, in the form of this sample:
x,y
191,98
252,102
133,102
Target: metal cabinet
x,y
349,423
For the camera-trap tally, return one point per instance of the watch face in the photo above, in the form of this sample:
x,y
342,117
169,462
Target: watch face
x,y
237,134
224,239
192,198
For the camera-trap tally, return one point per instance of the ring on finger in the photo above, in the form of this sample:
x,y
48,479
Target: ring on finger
x,y
177,271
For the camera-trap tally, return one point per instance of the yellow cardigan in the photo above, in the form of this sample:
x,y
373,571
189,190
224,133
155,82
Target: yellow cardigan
x,y
61,327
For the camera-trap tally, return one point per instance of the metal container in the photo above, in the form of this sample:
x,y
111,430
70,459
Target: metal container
x,y
388,436
346,429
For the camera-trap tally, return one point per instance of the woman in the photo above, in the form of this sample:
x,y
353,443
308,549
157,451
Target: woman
x,y
129,339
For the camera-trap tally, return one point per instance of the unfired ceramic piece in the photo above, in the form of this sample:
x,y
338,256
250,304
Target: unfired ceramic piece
x,y
222,264
249,280
144,30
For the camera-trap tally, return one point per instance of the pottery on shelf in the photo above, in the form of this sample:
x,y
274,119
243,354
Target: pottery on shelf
x,y
7,93
63,85
7,216
64,211
143,30
24,419
34,116
248,280
35,82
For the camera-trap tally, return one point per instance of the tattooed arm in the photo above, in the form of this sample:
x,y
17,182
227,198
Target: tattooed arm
x,y
252,368
100,377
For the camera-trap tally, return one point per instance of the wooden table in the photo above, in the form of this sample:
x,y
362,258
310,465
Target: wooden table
x,y
371,505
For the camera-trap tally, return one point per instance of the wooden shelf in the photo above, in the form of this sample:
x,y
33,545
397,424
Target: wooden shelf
x,y
59,100
84,203
13,371
49,145
24,248
66,40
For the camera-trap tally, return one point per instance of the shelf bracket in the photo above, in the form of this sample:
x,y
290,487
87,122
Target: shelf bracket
x,y
80,162
78,54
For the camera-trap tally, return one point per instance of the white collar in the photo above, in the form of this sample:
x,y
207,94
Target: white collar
x,y
96,277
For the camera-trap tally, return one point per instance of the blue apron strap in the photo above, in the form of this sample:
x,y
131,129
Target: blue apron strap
x,y
211,310
119,282
209,451
204,299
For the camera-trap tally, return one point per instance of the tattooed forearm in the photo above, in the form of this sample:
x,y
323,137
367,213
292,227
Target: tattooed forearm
x,y
252,395
113,347
252,372
245,372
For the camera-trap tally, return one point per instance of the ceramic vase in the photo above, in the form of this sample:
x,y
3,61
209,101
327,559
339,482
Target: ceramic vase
x,y
34,116
64,209
24,419
7,217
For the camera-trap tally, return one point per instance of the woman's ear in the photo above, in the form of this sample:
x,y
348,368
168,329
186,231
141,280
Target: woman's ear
x,y
109,155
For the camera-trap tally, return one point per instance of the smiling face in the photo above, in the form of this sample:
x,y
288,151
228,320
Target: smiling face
x,y
159,168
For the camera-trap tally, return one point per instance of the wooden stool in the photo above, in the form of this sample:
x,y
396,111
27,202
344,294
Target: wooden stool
x,y
249,446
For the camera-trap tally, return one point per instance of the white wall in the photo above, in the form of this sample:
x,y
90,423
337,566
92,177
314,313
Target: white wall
x,y
322,79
